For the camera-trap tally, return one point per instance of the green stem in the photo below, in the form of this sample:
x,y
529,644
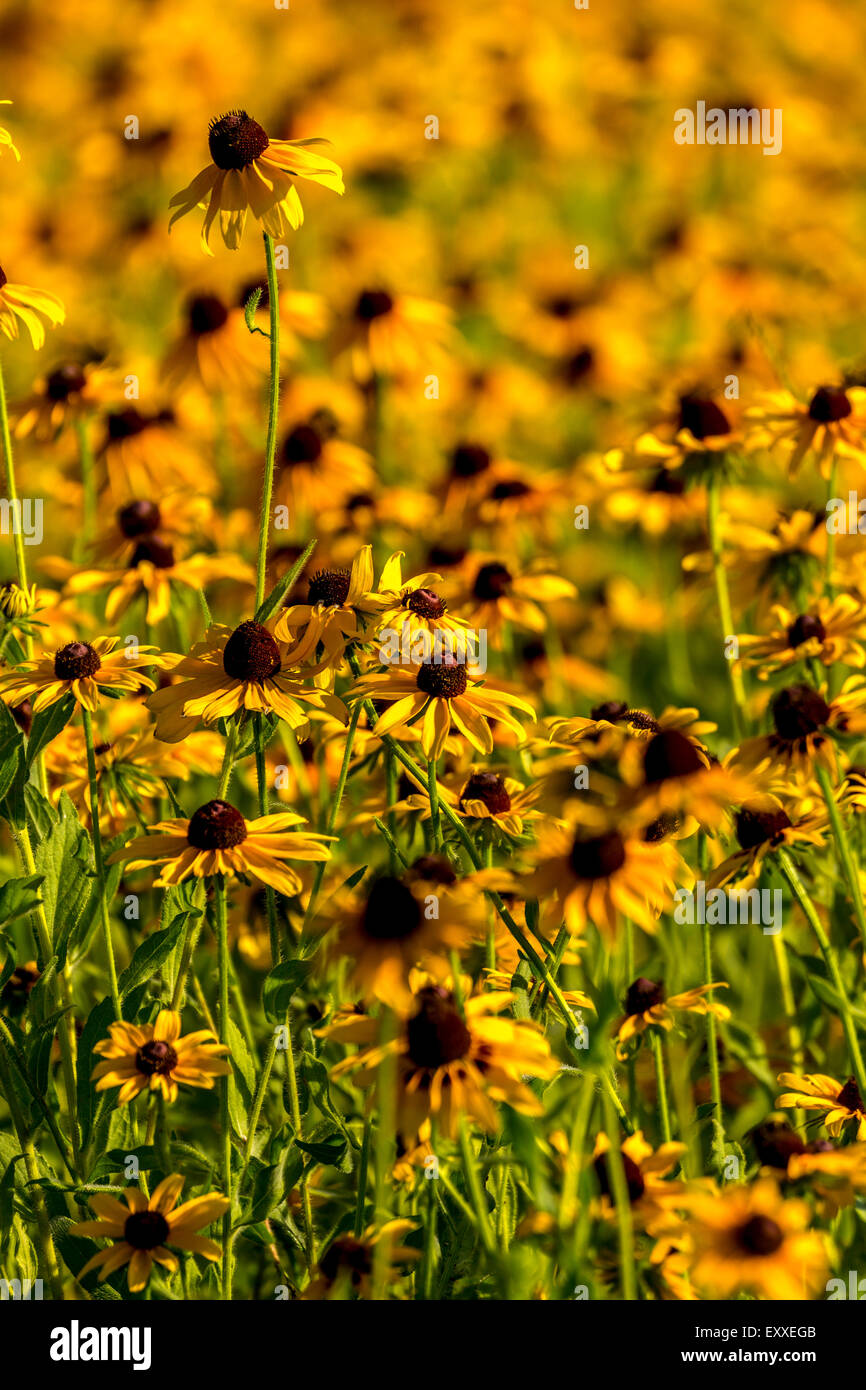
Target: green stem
x,y
46,1244
622,1204
661,1084
723,599
100,864
261,780
797,888
433,793
843,849
334,809
273,412
11,488
225,1120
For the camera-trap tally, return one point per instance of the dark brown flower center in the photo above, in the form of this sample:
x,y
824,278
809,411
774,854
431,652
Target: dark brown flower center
x,y
445,680
611,710
804,628
561,306
578,365
303,445
235,140
437,1034
65,381
849,1096
156,1058
392,912
207,313
433,868
829,405
330,587
155,551
670,754
3,278
251,654
760,1235
702,417
491,582
644,994
799,711
756,828
508,488
145,1230
468,460
489,788
633,1177
372,304
75,661
599,856
123,424
775,1142
216,825
424,602
139,519
347,1255
667,481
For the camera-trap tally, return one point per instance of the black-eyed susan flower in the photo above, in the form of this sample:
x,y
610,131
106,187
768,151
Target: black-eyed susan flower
x,y
449,1063
699,431
146,454
762,826
315,467
84,670
176,517
831,630
440,693
346,1268
496,593
840,1103
679,777
387,929
245,669
387,335
413,606
153,572
143,1227
218,840
340,604
215,350
71,391
647,1006
5,137
748,1238
652,1193
491,798
804,722
250,172
596,873
832,424
155,1057
22,303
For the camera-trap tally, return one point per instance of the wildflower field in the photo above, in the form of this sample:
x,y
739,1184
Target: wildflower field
x,y
432,647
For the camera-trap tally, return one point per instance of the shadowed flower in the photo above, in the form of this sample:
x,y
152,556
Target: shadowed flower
x,y
144,1227
154,1057
840,1104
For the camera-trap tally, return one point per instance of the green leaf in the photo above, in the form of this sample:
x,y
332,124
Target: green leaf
x,y
47,725
62,858
280,984
284,586
95,1028
151,953
330,1151
251,307
18,898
